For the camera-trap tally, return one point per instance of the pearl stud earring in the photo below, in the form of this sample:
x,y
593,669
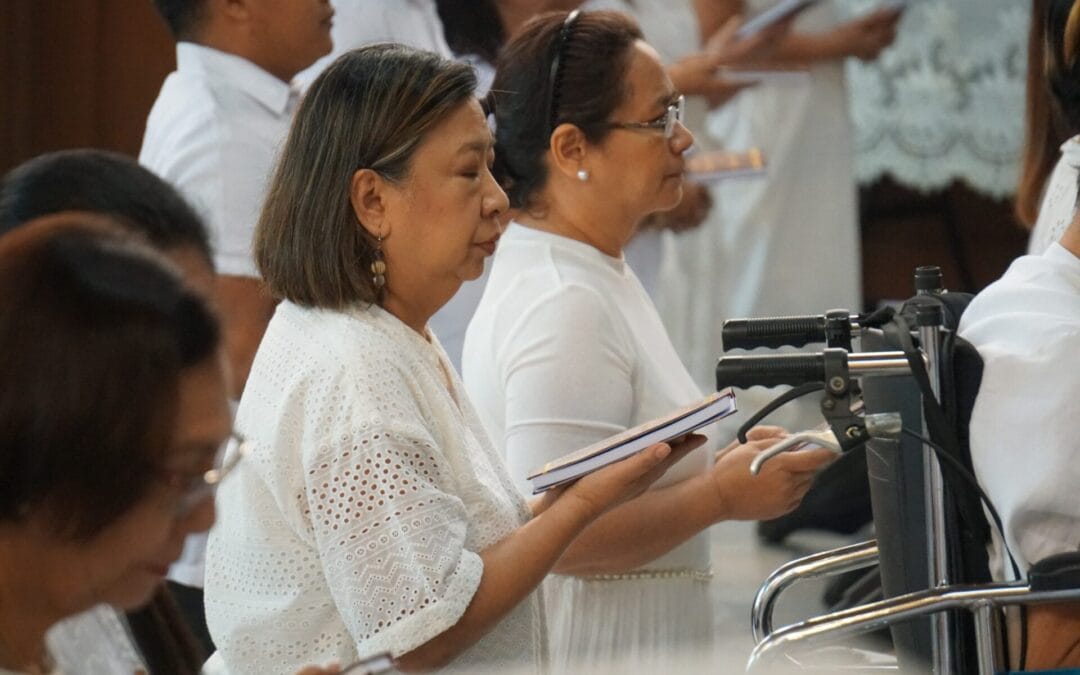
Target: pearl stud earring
x,y
582,175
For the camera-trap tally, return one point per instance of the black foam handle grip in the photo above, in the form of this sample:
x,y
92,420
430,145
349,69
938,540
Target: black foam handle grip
x,y
794,331
769,371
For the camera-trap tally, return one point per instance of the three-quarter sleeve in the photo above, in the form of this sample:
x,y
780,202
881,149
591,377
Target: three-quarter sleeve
x,y
391,535
567,371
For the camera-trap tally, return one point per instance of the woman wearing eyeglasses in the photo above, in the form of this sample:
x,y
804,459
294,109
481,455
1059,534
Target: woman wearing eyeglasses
x,y
567,349
109,418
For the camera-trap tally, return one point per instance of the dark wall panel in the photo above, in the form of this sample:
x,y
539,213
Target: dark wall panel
x,y
78,73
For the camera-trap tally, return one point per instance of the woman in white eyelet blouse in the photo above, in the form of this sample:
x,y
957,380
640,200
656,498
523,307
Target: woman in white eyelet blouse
x,y
374,514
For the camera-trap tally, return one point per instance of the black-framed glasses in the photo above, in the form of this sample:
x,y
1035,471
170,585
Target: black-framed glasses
x,y
672,116
196,489
555,76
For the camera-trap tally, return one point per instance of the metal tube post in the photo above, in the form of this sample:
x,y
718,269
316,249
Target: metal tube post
x,y
984,637
930,318
854,557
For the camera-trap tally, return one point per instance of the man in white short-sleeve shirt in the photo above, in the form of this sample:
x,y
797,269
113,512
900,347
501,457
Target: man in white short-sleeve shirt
x,y
1024,442
214,133
217,125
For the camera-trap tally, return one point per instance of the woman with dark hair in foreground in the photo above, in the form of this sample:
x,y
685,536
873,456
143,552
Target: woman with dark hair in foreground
x,y
109,420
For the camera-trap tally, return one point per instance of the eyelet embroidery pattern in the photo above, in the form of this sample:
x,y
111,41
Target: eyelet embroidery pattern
x,y
356,525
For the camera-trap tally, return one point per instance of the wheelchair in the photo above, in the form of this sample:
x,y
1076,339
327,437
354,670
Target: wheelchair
x,y
903,394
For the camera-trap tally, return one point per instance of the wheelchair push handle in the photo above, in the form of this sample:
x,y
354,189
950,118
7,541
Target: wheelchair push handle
x,y
773,332
769,371
835,327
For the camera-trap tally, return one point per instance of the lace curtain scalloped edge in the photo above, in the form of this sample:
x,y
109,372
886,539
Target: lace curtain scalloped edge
x,y
946,101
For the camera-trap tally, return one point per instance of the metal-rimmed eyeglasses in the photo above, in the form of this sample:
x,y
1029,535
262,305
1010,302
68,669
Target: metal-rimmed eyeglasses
x,y
196,489
672,116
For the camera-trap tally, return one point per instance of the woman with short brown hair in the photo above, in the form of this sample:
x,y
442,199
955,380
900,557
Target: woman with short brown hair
x,y
378,517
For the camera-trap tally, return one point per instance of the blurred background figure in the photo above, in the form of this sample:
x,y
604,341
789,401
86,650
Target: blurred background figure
x,y
110,184
787,242
96,315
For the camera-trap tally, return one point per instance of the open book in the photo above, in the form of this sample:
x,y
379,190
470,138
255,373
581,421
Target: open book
x,y
719,165
673,426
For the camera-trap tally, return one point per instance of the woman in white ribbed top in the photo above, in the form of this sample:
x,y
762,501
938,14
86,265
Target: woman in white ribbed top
x,y
566,348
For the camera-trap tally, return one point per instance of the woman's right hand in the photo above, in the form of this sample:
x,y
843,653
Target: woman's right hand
x,y
616,483
780,486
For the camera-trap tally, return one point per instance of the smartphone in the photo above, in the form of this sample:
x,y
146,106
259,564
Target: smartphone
x,y
778,12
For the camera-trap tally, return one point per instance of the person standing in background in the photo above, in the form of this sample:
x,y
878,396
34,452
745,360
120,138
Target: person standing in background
x,y
1044,130
787,243
214,133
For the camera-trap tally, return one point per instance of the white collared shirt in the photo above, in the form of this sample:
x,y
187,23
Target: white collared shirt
x,y
214,133
1024,442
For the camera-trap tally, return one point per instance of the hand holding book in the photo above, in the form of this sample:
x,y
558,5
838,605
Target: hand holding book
x,y
677,424
613,484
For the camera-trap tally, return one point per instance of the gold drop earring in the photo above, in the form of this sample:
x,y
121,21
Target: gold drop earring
x,y
378,266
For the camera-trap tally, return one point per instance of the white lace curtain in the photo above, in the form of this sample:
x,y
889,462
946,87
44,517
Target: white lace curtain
x,y
946,101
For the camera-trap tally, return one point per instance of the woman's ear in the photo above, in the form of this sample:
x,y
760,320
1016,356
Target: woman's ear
x,y
568,148
367,194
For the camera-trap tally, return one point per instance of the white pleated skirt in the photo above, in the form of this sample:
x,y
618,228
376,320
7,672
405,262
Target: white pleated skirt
x,y
647,618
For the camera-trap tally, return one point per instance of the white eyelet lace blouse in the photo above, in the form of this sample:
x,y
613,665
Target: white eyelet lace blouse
x,y
354,526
